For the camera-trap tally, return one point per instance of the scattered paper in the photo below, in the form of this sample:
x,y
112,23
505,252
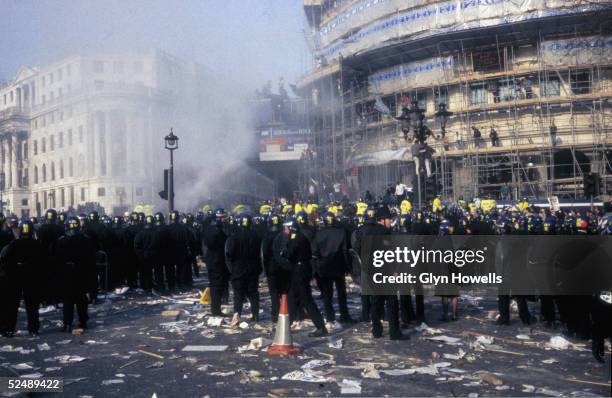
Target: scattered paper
x,y
43,347
112,381
491,379
214,321
523,337
336,343
308,375
204,348
549,361
22,366
485,340
457,356
558,343
350,386
317,363
445,339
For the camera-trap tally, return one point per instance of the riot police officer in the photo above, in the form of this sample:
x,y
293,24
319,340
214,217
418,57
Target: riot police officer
x,y
331,251
76,253
218,275
48,234
276,275
147,245
179,249
242,253
293,252
20,266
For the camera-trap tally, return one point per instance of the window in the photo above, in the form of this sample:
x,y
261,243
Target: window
x,y
71,196
35,147
138,67
99,66
69,137
61,139
52,143
59,75
25,178
42,82
24,202
82,194
52,171
80,134
44,173
99,84
62,197
478,94
51,78
550,88
36,175
101,192
70,168
68,70
44,121
25,150
139,191
44,145
580,82
61,171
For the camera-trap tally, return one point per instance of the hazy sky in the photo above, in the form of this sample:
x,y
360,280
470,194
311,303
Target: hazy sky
x,y
253,40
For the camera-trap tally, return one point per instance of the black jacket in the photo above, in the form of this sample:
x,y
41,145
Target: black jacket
x,y
267,253
331,250
214,239
148,245
77,256
242,252
21,263
293,253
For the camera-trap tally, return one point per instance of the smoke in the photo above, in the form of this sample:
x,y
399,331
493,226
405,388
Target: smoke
x,y
238,45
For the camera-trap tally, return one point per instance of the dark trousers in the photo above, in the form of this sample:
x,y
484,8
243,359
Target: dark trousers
x,y
78,299
145,275
158,276
32,302
131,272
503,304
547,308
218,282
326,285
366,307
378,307
300,290
246,287
183,273
278,283
407,313
196,269
170,271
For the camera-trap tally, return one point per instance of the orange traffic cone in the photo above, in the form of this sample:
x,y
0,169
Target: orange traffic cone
x,y
283,345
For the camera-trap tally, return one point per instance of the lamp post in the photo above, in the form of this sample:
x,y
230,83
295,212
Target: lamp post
x,y
171,144
2,176
442,116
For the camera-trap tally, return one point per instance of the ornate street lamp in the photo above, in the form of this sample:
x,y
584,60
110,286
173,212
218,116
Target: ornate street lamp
x,y
442,116
171,144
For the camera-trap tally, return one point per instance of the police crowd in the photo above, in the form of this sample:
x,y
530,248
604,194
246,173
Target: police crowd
x,y
292,244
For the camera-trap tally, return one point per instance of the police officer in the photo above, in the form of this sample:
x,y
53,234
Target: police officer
x,y
147,245
368,225
165,264
76,253
276,275
48,234
218,275
117,252
179,249
242,251
20,266
382,226
292,251
331,251
132,261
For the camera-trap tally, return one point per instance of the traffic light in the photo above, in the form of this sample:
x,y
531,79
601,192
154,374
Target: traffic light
x,y
592,185
164,194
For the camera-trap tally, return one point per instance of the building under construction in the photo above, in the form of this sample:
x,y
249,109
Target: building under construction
x,y
528,83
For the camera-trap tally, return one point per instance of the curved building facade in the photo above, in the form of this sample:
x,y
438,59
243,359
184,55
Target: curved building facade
x,y
528,83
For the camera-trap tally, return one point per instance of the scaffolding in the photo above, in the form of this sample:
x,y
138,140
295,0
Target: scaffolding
x,y
552,121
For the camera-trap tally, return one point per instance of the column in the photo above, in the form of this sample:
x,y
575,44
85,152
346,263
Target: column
x,y
111,125
95,145
129,144
9,151
4,159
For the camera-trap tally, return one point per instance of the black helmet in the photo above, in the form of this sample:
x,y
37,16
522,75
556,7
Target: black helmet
x,y
51,216
159,217
174,217
62,217
73,224
26,229
117,220
13,222
149,220
93,216
34,220
141,217
245,221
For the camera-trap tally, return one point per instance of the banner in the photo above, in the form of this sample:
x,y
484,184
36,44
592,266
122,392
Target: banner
x,y
282,144
406,76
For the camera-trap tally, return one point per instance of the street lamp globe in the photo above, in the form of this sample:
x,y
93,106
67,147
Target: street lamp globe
x,y
442,116
171,141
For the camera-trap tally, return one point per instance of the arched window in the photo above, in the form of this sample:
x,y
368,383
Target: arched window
x,y
61,168
70,168
35,174
44,173
44,145
52,171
